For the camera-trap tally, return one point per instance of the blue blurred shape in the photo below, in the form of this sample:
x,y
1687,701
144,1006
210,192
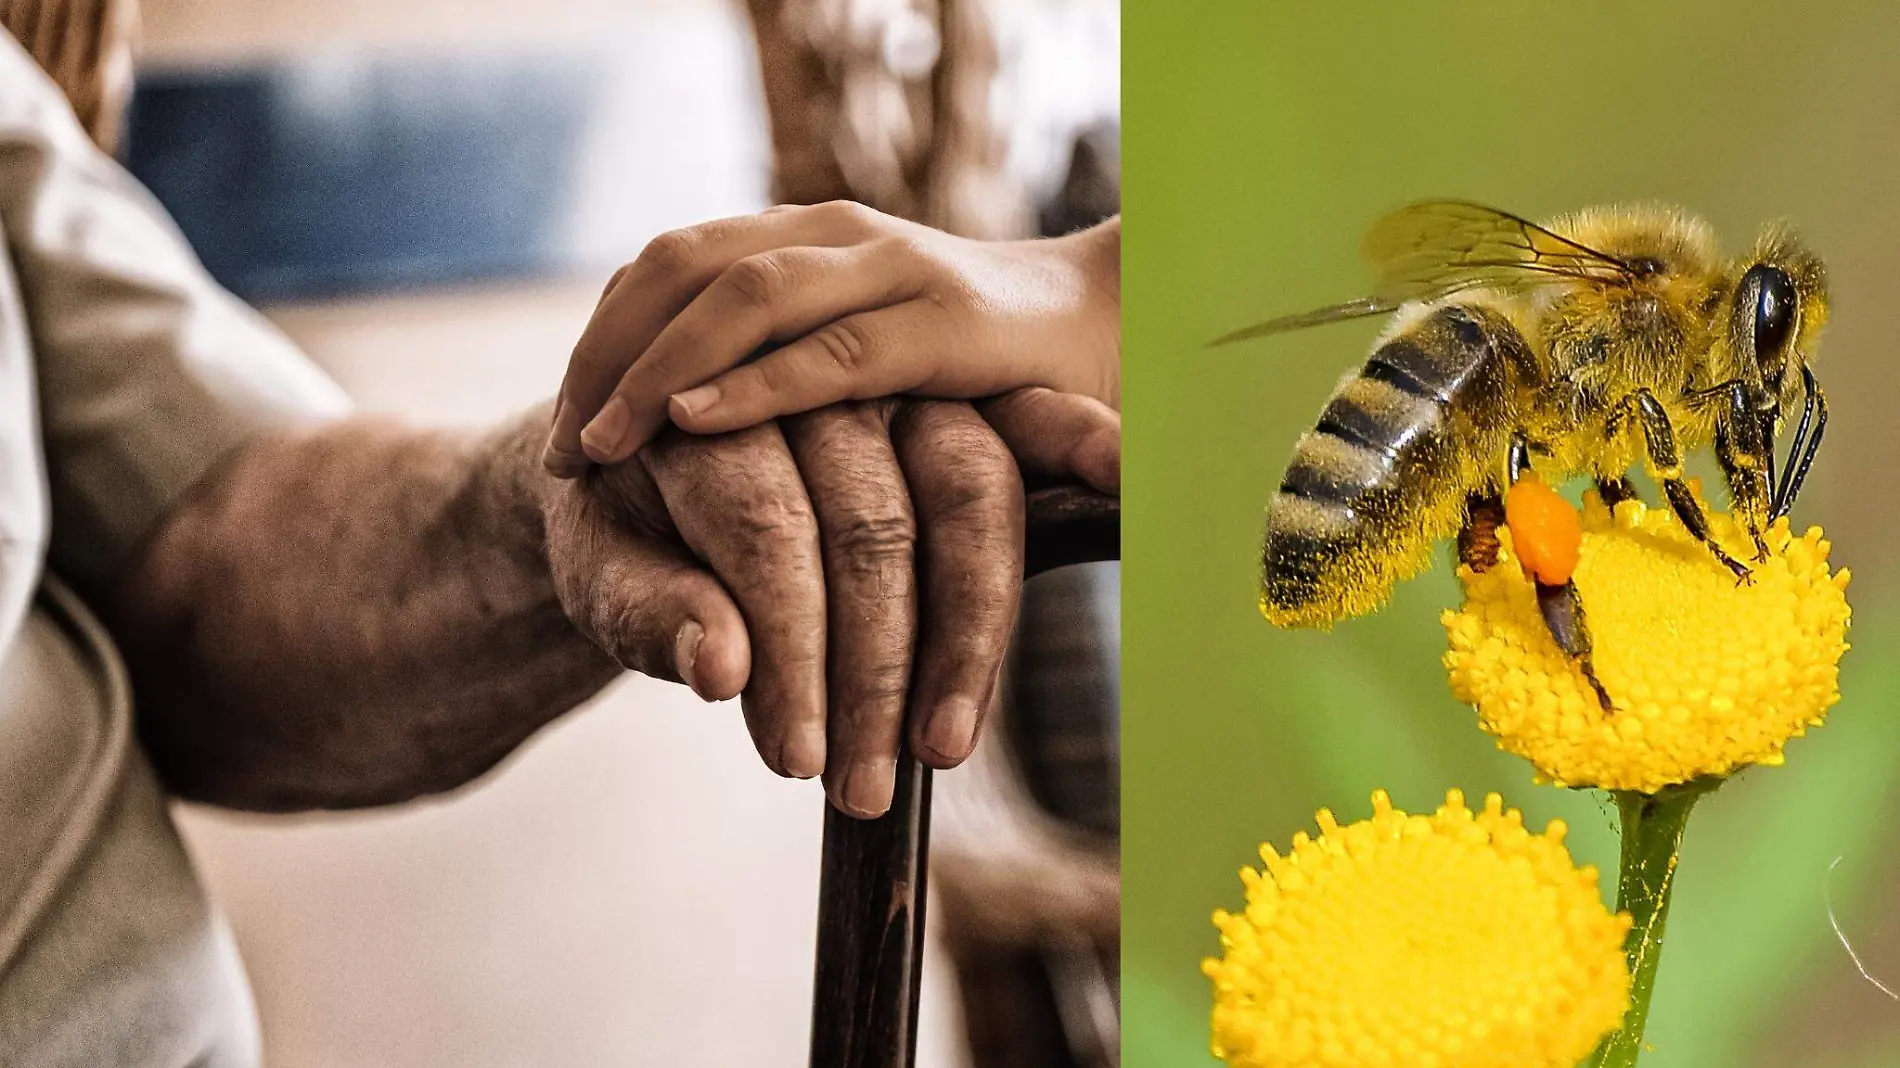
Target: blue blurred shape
x,y
322,176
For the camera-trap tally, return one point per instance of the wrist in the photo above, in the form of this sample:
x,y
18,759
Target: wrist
x,y
519,488
1096,255
1098,250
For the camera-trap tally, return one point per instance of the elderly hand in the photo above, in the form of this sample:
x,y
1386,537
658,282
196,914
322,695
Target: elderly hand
x,y
861,305
848,571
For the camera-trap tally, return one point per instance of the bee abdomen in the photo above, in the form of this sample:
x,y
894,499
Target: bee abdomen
x,y
1338,463
1344,487
1368,489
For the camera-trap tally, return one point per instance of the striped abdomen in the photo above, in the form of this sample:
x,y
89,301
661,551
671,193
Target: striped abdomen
x,y
1383,476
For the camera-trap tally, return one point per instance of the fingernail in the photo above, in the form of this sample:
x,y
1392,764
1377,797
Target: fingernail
x,y
602,437
686,652
697,401
867,788
802,754
951,733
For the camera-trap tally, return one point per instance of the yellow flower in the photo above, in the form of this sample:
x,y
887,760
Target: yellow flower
x,y
1456,940
1706,675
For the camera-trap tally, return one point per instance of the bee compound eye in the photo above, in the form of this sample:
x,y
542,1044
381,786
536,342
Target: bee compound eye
x,y
1774,309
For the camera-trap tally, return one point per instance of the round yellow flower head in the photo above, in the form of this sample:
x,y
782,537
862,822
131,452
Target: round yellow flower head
x,y
1455,940
1706,675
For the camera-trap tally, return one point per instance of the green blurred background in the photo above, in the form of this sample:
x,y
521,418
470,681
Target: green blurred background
x,y
1261,139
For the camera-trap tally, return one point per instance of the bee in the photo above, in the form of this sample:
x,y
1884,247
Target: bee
x,y
1609,337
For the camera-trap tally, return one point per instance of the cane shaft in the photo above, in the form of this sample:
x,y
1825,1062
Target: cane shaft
x,y
872,885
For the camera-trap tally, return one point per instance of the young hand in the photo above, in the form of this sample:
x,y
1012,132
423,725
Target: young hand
x,y
858,304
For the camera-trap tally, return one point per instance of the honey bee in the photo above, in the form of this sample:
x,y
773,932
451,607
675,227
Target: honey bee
x,y
1610,336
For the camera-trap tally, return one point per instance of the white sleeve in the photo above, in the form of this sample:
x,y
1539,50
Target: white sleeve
x,y
148,372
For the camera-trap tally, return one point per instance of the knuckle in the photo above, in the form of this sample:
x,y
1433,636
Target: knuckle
x,y
907,248
918,257
922,256
846,345
751,387
872,541
919,260
621,631
758,281
970,478
851,214
670,253
775,525
759,382
876,685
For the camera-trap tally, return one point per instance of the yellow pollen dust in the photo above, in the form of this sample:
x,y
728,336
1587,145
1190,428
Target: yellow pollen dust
x,y
1455,940
1706,675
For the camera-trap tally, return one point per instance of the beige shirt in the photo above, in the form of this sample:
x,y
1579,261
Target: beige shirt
x,y
125,375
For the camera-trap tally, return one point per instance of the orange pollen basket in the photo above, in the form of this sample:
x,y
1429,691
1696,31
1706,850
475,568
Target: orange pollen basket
x,y
1545,530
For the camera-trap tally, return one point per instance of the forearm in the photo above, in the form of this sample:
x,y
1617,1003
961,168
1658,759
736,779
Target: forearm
x,y
352,616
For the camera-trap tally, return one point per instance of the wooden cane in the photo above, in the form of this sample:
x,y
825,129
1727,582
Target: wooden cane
x,y
871,887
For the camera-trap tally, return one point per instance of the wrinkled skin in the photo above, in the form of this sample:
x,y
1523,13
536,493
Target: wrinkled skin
x,y
362,613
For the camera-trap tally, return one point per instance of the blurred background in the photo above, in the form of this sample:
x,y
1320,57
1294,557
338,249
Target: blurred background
x,y
1263,140
428,195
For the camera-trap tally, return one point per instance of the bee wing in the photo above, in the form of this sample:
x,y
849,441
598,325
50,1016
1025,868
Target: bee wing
x,y
1425,249
1435,248
1332,313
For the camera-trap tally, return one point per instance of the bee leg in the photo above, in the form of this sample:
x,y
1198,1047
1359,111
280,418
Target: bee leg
x,y
1743,449
1562,609
1665,456
1614,491
1689,510
1520,456
1478,537
1561,605
1813,408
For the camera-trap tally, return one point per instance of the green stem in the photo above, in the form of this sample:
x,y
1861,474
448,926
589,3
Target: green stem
x,y
1652,840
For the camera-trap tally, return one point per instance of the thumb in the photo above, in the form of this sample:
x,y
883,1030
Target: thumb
x,y
650,605
1060,434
